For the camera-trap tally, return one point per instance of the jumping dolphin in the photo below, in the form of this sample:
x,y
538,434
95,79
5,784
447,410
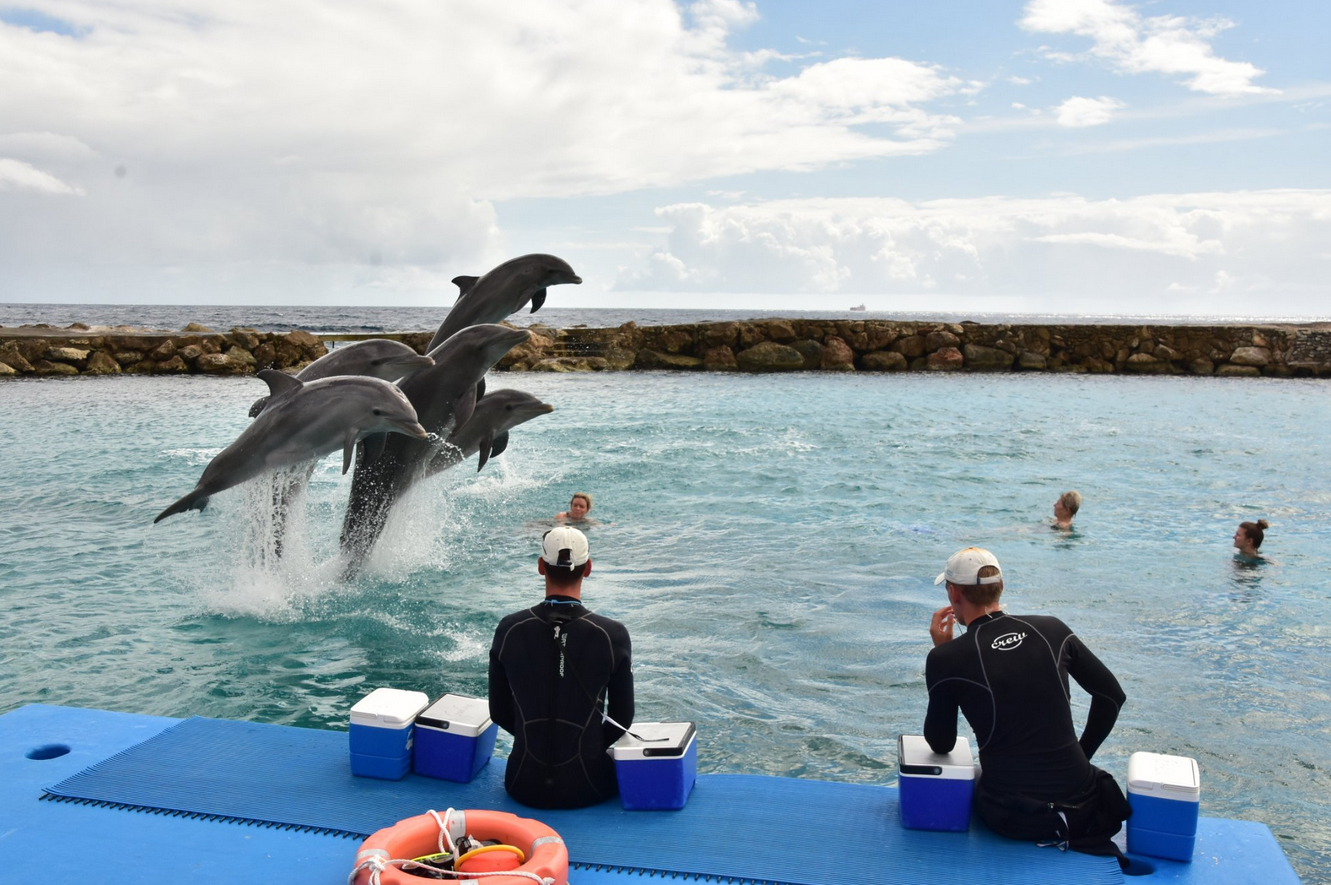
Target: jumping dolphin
x,y
502,292
487,432
303,422
373,358
444,396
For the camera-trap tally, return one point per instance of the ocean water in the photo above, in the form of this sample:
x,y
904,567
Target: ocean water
x,y
770,541
369,320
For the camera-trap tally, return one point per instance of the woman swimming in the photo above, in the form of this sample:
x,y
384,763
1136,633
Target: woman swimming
x,y
578,508
1248,538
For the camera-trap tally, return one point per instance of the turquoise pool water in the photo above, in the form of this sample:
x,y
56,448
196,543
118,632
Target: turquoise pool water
x,y
770,541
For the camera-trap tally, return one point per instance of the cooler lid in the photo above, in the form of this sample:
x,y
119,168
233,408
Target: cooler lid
x,y
1175,777
457,713
389,707
678,736
916,758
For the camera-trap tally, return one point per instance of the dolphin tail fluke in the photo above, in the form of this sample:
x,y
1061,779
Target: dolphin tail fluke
x,y
537,300
195,500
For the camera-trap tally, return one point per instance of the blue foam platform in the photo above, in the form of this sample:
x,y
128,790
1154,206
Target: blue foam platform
x,y
745,827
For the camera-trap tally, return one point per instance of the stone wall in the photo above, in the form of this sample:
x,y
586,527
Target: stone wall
x,y
881,346
775,345
192,350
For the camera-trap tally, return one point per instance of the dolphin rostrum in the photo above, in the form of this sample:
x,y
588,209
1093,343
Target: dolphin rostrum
x,y
373,358
487,432
502,292
444,396
303,422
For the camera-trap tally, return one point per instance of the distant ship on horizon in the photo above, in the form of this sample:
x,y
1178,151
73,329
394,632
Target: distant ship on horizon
x,y
858,307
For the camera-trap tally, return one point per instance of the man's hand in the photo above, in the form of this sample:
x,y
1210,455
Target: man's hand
x,y
940,625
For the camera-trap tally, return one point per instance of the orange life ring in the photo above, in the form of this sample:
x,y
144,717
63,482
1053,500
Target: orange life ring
x,y
546,855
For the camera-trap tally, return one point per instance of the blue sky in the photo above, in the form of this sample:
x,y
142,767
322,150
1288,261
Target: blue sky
x,y
1067,156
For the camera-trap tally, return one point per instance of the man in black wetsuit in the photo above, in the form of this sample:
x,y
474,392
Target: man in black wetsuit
x,y
1009,675
552,669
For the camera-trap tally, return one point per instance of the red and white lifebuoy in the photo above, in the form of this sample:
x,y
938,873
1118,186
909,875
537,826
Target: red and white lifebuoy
x,y
541,852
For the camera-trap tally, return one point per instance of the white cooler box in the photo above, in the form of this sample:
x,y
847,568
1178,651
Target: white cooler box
x,y
455,738
381,732
935,788
656,775
1164,792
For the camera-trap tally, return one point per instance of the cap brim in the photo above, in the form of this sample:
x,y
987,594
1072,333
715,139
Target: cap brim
x,y
941,578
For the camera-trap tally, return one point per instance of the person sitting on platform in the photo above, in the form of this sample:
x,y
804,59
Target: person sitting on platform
x,y
559,674
1009,675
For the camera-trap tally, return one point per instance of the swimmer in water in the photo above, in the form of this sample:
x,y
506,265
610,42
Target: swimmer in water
x,y
1248,538
1065,508
578,508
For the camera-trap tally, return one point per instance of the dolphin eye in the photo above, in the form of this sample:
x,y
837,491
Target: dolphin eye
x,y
378,412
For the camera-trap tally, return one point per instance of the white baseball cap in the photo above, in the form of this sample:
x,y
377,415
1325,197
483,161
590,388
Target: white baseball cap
x,y
963,568
565,547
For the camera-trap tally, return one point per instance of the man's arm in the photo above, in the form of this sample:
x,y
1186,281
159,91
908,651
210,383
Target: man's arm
x,y
620,705
501,695
940,721
1107,695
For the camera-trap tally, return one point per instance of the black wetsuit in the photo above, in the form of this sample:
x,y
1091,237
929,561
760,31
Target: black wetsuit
x,y
551,669
1009,675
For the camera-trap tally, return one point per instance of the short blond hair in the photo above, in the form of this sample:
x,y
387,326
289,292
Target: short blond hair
x,y
1071,502
584,496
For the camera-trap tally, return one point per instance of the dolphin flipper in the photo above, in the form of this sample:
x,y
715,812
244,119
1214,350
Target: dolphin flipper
x,y
492,446
259,405
373,447
195,500
349,450
480,389
537,300
463,406
464,283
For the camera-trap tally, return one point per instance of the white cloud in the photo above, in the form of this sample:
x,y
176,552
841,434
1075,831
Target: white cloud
x,y
1139,254
1078,111
1133,44
317,132
15,175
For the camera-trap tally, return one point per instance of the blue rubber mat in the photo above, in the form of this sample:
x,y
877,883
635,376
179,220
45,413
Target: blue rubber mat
x,y
741,827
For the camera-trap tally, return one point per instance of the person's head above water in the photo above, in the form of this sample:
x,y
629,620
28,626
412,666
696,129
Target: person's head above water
x,y
1249,535
1065,508
579,505
564,561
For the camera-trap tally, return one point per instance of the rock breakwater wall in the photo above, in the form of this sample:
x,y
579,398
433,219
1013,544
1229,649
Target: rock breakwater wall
x,y
775,345
54,352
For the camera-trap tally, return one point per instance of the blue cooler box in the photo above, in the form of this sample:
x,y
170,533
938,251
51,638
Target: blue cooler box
x,y
381,731
455,738
1164,792
656,774
935,788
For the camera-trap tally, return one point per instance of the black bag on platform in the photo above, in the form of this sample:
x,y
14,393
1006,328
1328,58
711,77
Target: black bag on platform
x,y
1086,821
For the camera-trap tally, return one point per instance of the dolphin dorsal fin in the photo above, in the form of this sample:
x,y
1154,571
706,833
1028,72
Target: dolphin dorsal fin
x,y
464,283
537,300
280,382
